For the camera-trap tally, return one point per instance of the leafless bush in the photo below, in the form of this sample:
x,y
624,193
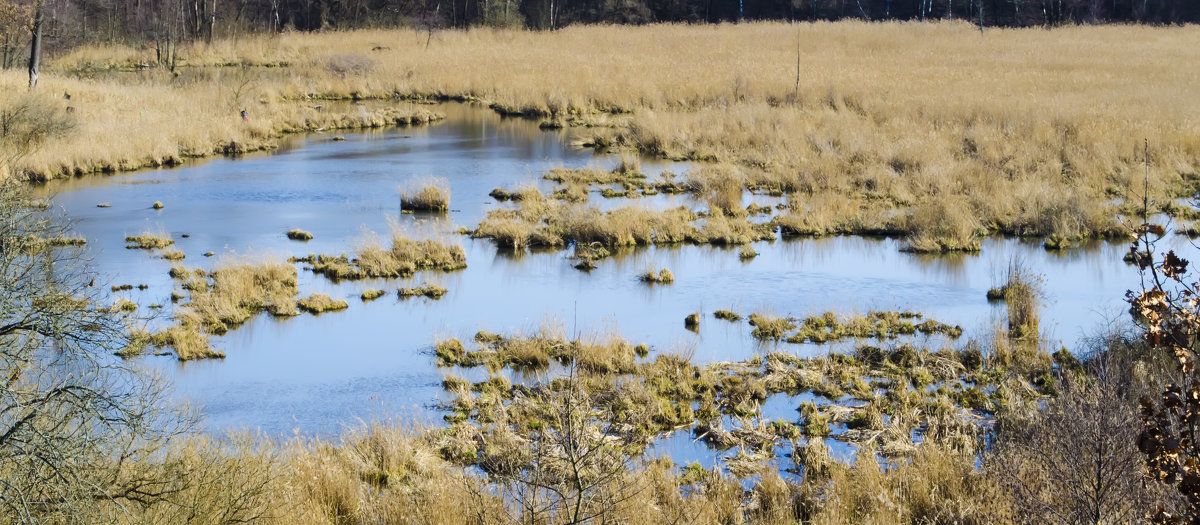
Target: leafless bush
x,y
76,422
25,124
1078,460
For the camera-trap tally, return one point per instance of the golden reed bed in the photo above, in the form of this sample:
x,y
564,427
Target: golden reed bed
x,y
1024,131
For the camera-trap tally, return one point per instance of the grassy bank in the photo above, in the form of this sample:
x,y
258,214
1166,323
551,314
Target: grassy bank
x,y
120,125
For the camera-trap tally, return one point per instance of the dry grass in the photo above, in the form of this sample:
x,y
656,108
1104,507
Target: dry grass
x,y
931,110
431,291
135,122
1024,131
149,240
596,233
403,258
320,303
663,276
296,234
235,291
728,315
425,195
768,326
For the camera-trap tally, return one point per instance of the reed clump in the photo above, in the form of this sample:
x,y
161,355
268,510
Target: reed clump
x,y
187,343
372,294
149,241
1022,298
224,299
320,303
124,305
430,196
768,326
596,234
296,234
728,315
403,258
663,276
875,324
431,291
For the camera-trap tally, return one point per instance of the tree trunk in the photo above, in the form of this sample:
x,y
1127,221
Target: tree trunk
x,y
35,45
212,19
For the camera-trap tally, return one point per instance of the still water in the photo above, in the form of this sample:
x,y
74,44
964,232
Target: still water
x,y
315,375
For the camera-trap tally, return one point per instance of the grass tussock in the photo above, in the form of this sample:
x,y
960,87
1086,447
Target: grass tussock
x,y
604,353
663,276
431,291
372,294
527,192
320,303
1022,298
596,234
296,234
149,241
172,255
402,258
426,196
728,315
873,325
158,205
768,326
124,305
224,299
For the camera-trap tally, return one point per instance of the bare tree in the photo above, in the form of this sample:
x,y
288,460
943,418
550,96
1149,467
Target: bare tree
x,y
1077,461
573,467
35,44
77,424
14,19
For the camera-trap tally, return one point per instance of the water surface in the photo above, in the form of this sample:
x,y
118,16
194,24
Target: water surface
x,y
316,374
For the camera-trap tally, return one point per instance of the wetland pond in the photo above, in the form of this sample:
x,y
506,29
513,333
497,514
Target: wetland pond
x,y
317,374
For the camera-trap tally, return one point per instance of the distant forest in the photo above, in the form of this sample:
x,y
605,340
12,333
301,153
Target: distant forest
x,y
72,22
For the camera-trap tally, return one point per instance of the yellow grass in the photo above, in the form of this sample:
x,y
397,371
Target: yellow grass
x,y
320,303
404,257
149,240
431,195
1027,131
